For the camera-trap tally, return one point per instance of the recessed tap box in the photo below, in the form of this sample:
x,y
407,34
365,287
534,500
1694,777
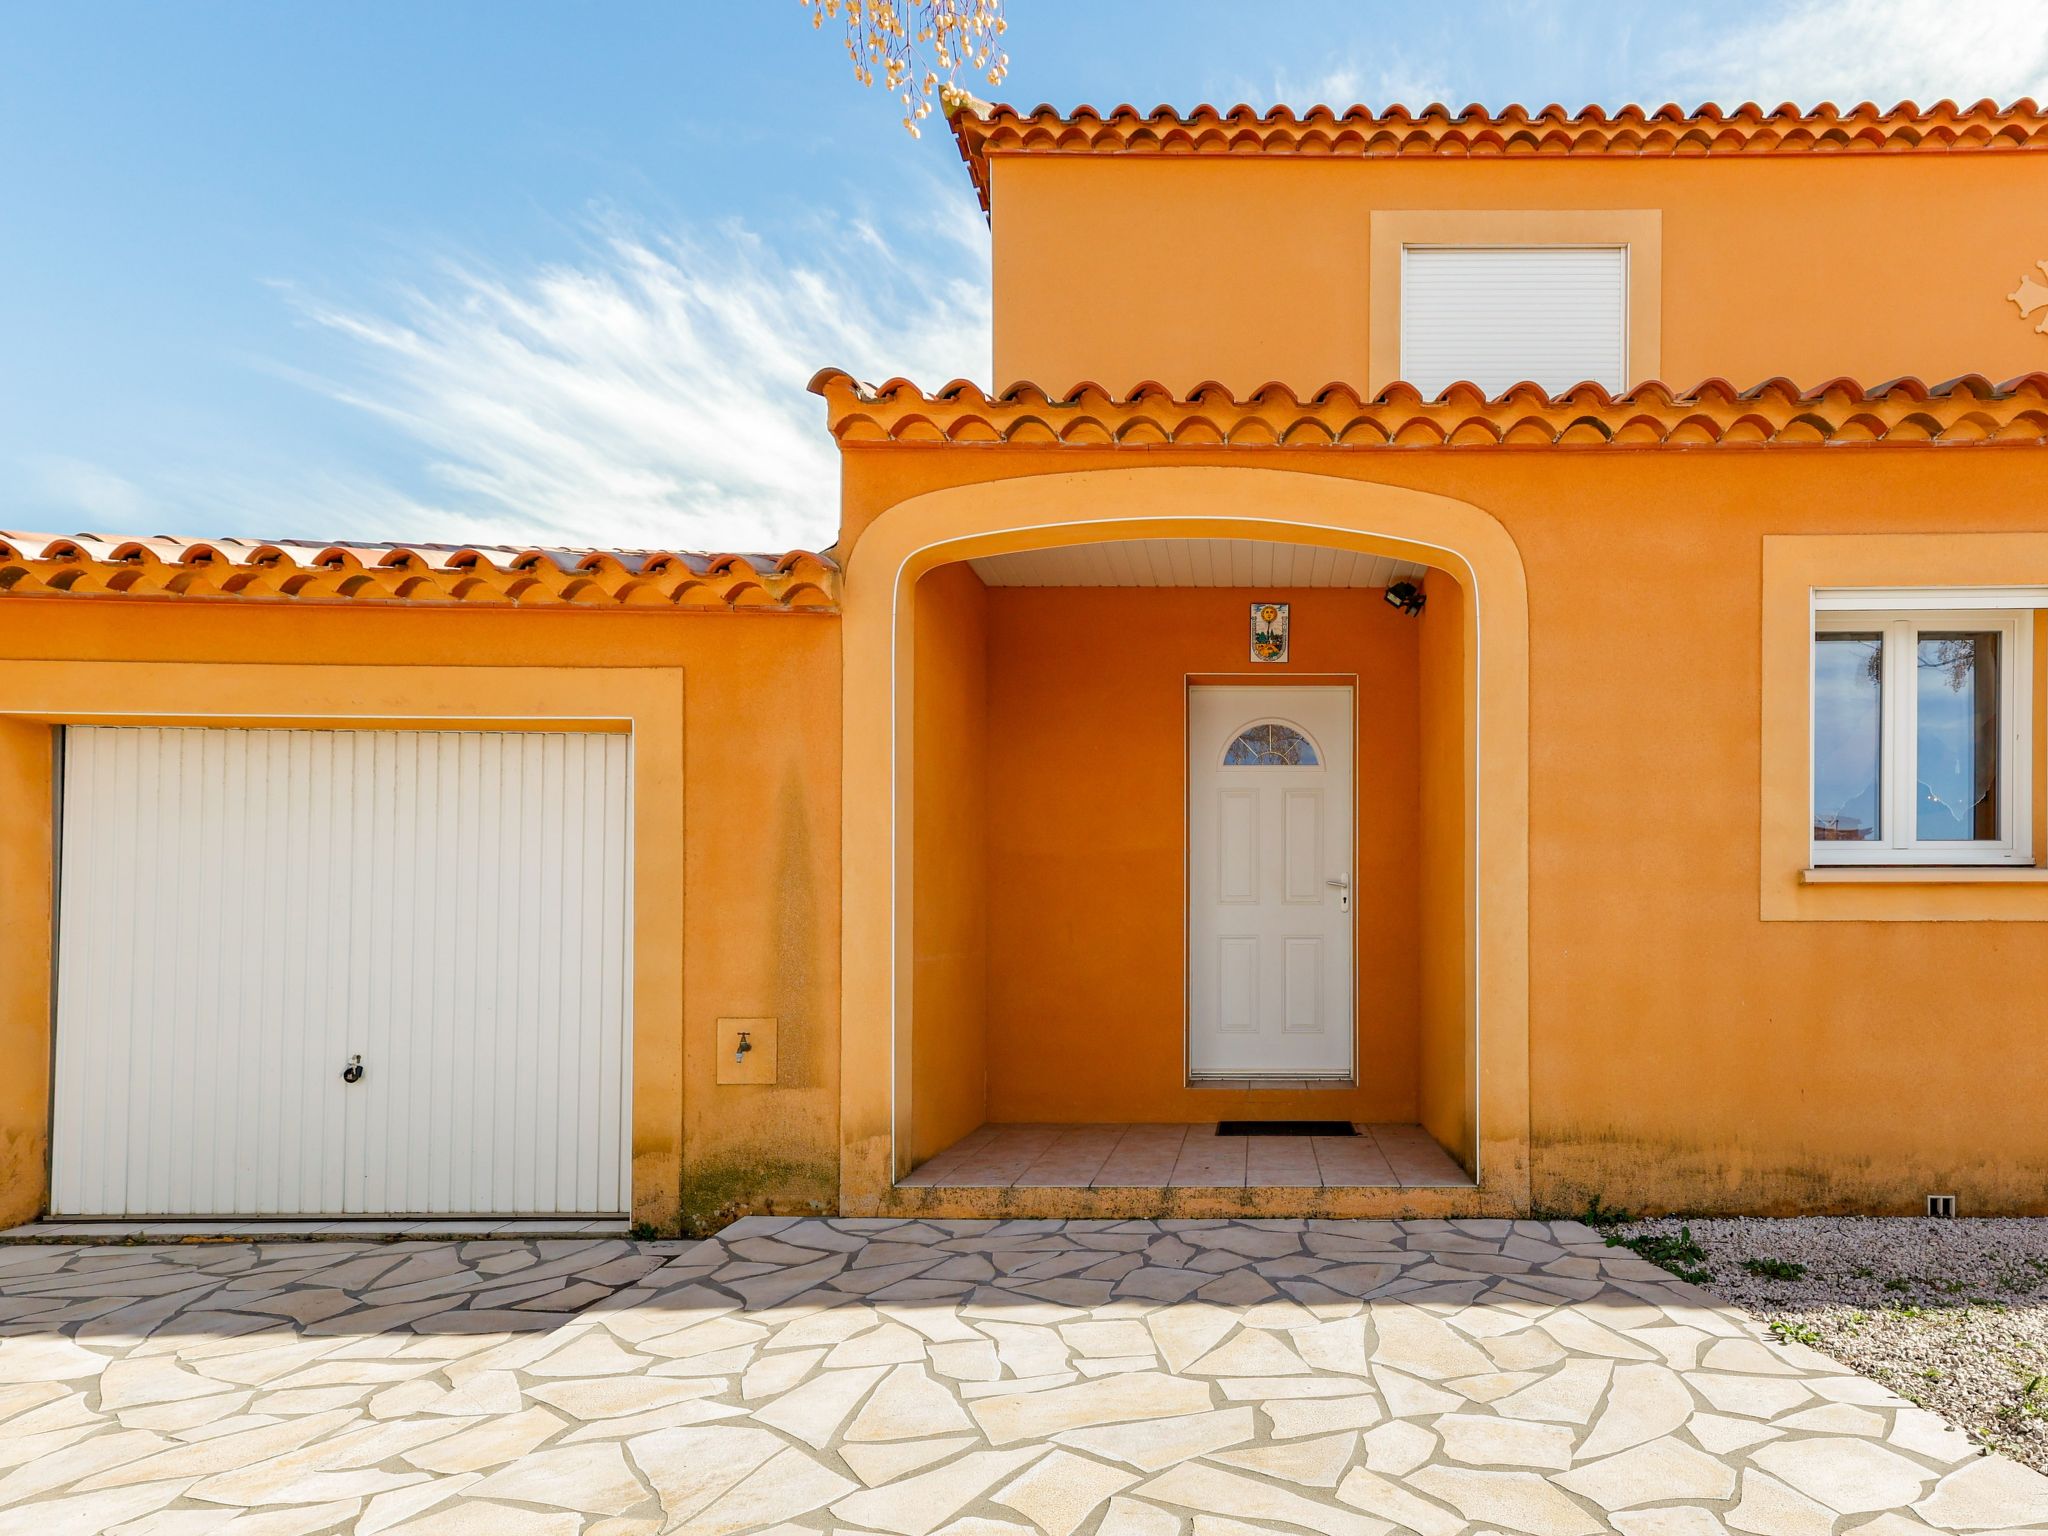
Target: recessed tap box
x,y
746,1051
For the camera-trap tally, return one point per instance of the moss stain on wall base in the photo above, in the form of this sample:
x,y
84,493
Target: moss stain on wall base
x,y
23,1157
717,1191
1623,1172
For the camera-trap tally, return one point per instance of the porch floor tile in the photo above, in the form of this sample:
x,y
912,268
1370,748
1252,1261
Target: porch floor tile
x,y
1186,1157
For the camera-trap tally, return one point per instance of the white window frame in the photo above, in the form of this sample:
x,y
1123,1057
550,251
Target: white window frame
x,y
1899,615
1410,247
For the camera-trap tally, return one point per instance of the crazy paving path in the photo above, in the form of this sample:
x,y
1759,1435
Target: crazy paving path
x,y
1127,1378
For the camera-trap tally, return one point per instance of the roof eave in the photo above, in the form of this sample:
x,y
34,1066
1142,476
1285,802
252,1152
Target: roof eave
x,y
982,130
1711,414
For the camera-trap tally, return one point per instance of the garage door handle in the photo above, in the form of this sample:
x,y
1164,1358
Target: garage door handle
x,y
353,1072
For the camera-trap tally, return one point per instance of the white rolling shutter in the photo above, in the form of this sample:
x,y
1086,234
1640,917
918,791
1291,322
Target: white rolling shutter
x,y
1497,315
243,911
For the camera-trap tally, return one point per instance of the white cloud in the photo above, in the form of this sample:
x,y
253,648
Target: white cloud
x,y
1878,50
92,492
651,392
261,497
1395,79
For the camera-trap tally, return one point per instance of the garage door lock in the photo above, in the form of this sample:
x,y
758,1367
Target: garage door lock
x,y
353,1072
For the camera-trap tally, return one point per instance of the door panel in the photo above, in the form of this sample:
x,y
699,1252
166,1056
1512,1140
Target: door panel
x,y
1237,967
1237,860
1302,817
1302,1011
244,911
1269,865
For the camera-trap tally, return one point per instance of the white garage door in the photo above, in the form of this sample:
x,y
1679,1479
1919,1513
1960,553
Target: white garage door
x,y
1496,315
243,914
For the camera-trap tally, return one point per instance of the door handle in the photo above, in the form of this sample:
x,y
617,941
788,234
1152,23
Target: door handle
x,y
1341,885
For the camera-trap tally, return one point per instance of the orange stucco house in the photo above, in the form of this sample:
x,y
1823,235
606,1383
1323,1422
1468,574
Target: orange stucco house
x,y
1520,632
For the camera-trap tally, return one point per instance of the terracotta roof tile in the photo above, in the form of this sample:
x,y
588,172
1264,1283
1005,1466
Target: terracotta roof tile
x,y
497,575
1840,412
981,130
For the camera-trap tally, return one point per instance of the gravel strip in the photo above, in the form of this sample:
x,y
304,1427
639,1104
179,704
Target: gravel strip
x,y
1950,1314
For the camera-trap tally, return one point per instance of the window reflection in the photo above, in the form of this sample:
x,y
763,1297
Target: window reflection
x,y
1848,736
1956,754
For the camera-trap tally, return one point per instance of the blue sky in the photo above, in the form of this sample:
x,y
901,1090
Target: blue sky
x,y
558,272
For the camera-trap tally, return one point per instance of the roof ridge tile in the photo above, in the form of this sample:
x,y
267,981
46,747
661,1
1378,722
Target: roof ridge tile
x,y
981,129
460,575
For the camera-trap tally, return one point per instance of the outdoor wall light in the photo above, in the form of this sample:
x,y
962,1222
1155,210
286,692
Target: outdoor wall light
x,y
1407,597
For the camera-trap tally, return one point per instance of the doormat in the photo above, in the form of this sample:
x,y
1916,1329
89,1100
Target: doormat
x,y
1286,1128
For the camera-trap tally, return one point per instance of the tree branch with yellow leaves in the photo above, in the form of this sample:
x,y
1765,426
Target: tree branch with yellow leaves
x,y
917,48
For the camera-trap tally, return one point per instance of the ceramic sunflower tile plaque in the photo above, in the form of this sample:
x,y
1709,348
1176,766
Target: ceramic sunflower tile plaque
x,y
1269,632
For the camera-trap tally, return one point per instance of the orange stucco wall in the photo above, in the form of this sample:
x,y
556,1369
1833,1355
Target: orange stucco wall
x,y
1087,722
736,774
1446,1063
25,895
1182,269
949,1051
1685,1051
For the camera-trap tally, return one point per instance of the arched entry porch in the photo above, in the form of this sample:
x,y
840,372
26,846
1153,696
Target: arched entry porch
x,y
910,959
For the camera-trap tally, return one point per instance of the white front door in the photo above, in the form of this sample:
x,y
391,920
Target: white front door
x,y
1269,882
248,916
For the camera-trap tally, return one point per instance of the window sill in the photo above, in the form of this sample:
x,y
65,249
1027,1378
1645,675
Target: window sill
x,y
1924,874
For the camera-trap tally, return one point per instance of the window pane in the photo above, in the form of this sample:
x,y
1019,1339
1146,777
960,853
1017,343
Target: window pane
x,y
1957,753
1269,746
1848,737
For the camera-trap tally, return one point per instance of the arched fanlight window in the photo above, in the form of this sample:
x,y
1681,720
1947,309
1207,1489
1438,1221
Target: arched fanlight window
x,y
1270,744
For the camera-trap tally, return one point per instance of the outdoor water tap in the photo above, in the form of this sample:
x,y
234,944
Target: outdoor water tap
x,y
746,1045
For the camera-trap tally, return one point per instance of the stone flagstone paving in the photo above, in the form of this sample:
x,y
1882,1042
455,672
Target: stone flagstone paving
x,y
933,1378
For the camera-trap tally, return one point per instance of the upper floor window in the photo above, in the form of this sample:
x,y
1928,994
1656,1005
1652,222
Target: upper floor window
x,y
1921,735
1556,315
